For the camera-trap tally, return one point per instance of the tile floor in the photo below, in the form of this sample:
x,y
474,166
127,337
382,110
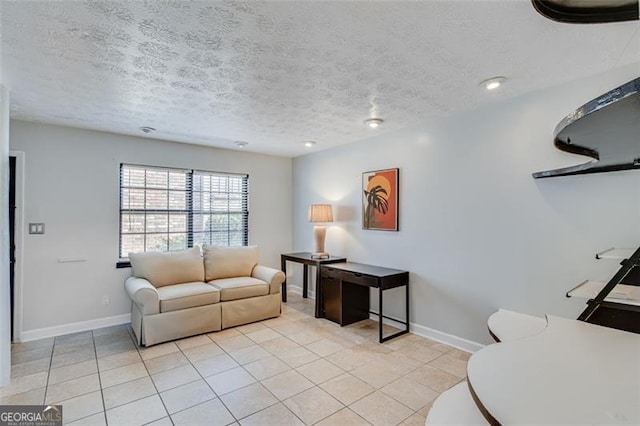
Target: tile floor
x,y
291,370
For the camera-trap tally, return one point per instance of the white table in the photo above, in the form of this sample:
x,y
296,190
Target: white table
x,y
572,372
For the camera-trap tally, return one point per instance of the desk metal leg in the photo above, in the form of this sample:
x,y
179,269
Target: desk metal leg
x,y
406,292
283,266
381,317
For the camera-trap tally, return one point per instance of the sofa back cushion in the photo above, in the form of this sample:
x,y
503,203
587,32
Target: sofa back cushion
x,y
229,262
168,268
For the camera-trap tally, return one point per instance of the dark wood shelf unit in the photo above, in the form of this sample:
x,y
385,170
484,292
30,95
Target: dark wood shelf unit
x,y
613,314
306,260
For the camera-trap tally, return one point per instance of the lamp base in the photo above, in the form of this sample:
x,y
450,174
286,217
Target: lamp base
x,y
319,233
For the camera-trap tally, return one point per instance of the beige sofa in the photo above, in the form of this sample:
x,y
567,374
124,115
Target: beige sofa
x,y
180,294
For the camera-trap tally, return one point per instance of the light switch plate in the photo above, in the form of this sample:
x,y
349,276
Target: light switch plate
x,y
36,228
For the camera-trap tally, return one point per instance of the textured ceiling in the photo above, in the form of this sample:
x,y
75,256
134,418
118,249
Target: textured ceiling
x,y
275,74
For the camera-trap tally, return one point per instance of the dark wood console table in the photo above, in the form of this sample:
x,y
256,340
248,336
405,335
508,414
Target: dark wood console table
x,y
345,292
306,259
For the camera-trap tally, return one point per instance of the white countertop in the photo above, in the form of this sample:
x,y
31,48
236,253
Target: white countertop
x,y
572,372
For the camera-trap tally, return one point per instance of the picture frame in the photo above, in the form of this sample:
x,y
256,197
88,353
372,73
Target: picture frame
x,y
380,199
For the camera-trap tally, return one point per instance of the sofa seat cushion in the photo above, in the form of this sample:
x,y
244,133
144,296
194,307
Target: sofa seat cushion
x,y
240,288
187,295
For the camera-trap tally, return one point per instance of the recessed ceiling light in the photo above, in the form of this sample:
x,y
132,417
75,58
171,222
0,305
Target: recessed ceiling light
x,y
241,144
493,83
373,122
147,129
309,144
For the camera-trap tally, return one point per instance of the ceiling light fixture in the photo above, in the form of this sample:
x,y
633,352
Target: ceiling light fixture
x,y
241,144
373,122
493,83
309,144
147,129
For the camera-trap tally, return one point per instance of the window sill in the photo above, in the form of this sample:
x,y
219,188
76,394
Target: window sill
x,y
123,264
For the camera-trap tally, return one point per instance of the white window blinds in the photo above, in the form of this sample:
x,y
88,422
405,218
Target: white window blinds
x,y
164,209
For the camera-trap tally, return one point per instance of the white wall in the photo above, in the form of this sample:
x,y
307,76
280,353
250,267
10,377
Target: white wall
x,y
72,185
477,232
5,308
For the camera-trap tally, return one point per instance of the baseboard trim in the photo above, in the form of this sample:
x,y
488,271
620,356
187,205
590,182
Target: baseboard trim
x,y
74,327
420,330
446,338
437,335
298,290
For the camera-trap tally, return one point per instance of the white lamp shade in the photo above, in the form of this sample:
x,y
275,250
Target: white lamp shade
x,y
320,213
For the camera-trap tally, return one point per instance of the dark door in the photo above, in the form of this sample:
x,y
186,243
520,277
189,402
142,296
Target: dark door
x,y
12,232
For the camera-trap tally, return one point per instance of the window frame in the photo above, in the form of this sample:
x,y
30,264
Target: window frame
x,y
189,190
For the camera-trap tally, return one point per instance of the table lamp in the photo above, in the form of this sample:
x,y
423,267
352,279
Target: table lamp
x,y
319,214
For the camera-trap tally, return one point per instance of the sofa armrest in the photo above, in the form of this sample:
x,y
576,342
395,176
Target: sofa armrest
x,y
273,277
143,294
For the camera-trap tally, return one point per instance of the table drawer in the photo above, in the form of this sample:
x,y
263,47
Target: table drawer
x,y
352,277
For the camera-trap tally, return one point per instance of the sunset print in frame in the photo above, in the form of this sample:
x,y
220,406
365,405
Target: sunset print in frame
x,y
380,200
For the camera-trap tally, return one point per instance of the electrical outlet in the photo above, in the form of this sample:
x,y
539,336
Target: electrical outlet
x,y
105,300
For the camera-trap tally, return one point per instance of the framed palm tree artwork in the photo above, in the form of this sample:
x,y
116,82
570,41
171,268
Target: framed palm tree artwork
x,y
380,200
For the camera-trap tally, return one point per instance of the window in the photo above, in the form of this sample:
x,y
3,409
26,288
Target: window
x,y
164,209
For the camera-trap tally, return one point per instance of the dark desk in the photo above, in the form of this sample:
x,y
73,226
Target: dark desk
x,y
306,259
345,292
